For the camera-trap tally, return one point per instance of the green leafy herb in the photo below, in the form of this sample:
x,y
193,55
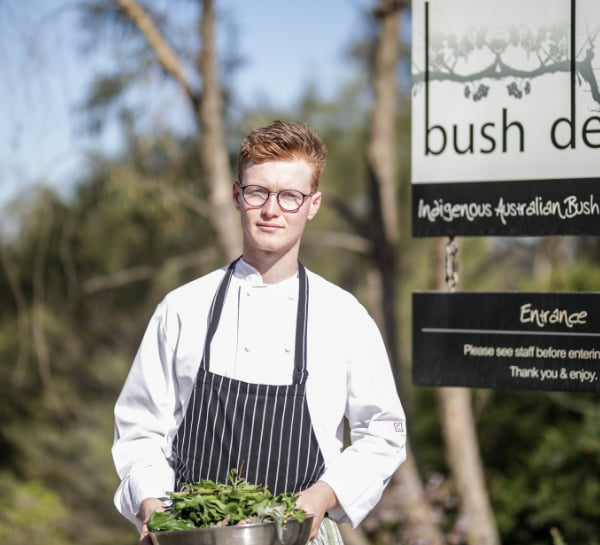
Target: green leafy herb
x,y
205,504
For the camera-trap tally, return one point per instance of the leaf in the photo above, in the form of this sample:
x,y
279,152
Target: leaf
x,y
165,521
206,503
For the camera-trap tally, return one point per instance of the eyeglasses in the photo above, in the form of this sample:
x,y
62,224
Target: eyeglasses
x,y
290,200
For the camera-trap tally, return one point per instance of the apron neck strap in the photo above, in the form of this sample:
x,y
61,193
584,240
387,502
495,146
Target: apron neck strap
x,y
300,371
215,312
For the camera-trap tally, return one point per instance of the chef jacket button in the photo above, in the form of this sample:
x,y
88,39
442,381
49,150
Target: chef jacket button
x,y
288,350
246,348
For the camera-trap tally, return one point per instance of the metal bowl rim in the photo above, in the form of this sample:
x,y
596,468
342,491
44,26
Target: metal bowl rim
x,y
231,527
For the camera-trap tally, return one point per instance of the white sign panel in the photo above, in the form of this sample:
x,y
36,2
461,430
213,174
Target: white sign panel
x,y
506,117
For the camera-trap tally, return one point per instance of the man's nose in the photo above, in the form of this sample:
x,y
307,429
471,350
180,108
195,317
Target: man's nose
x,y
271,204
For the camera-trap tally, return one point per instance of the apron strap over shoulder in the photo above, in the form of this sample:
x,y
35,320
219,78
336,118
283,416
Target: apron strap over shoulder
x,y
300,372
214,314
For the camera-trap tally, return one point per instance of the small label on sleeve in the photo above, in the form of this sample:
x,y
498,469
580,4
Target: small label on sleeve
x,y
399,426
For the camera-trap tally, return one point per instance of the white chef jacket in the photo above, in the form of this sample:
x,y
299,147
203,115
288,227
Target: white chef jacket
x,y
349,376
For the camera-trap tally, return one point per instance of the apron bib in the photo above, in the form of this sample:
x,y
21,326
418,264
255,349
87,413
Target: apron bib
x,y
263,430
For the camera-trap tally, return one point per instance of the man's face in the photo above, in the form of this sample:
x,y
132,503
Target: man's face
x,y
268,228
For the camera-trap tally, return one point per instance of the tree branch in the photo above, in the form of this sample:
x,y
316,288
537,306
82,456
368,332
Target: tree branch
x,y
183,197
354,243
38,332
144,272
166,55
341,207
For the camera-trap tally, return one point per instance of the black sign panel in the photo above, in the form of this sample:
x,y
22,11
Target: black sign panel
x,y
513,341
549,207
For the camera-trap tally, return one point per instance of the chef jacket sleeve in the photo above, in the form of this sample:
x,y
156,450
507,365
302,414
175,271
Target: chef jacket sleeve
x,y
144,416
377,426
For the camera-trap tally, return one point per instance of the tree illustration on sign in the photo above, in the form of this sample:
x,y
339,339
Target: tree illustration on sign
x,y
545,51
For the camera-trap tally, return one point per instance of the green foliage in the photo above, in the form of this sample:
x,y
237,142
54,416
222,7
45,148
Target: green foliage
x,y
30,513
542,451
84,276
579,277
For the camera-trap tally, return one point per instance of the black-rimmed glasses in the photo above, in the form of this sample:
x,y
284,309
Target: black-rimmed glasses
x,y
290,200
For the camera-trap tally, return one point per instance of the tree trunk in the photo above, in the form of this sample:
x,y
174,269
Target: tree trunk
x,y
213,149
208,109
382,144
464,460
462,451
381,150
409,501
421,526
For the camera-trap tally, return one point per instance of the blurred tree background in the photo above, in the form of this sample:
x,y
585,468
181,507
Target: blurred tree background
x,y
81,273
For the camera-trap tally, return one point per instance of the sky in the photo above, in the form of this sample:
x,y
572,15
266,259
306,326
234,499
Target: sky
x,y
44,76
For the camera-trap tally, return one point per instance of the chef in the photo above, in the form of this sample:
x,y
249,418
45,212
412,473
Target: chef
x,y
261,364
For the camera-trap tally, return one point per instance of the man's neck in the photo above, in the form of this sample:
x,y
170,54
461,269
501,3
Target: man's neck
x,y
273,268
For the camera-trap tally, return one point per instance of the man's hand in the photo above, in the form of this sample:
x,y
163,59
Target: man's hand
x,y
148,506
317,500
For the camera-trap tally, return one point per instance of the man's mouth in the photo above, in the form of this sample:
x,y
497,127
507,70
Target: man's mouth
x,y
268,227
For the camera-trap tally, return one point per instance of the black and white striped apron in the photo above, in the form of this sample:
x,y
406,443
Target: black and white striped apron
x,y
262,430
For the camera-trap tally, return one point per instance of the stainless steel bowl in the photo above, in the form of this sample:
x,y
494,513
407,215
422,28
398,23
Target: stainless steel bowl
x,y
294,533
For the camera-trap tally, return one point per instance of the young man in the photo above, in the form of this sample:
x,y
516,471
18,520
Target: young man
x,y
255,366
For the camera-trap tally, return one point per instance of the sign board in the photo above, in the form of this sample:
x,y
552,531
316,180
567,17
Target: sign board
x,y
505,117
514,341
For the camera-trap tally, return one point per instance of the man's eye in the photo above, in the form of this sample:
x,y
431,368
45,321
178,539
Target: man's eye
x,y
256,191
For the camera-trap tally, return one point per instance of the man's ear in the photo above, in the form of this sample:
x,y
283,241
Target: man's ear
x,y
315,204
237,195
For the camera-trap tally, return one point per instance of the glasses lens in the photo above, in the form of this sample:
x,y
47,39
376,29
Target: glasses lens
x,y
290,200
255,195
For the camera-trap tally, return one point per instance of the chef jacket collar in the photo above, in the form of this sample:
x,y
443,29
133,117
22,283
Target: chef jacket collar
x,y
246,273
